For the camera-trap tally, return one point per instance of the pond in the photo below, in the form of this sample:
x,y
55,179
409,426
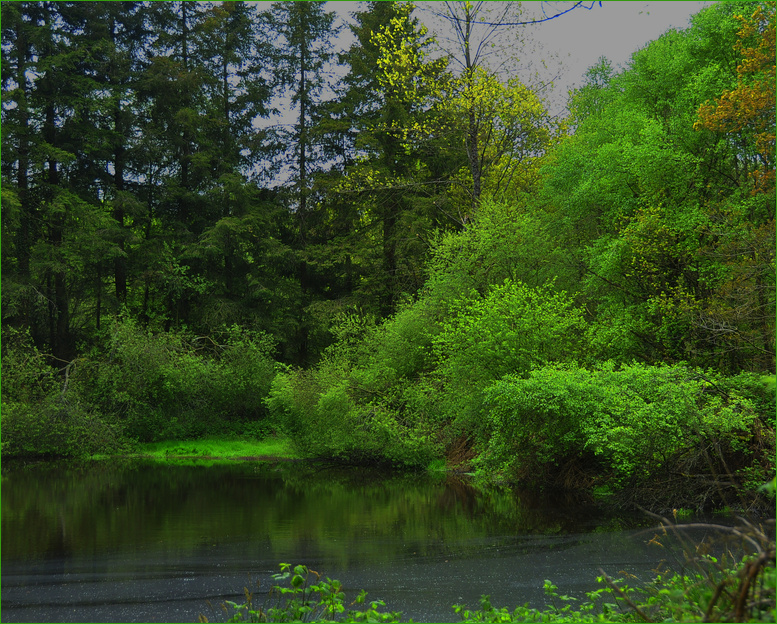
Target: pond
x,y
138,541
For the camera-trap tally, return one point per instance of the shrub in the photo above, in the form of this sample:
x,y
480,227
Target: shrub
x,y
179,386
42,414
510,330
319,413
143,386
352,406
634,421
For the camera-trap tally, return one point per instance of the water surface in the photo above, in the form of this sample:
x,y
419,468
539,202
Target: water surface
x,y
138,541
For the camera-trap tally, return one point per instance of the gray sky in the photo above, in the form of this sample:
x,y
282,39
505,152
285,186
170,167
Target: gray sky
x,y
615,30
577,39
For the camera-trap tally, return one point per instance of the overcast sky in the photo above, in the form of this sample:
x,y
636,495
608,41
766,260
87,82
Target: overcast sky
x,y
615,30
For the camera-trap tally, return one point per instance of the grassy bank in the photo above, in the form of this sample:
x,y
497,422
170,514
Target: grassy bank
x,y
219,448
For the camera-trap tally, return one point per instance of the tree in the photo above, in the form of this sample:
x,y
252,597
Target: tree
x,y
113,38
508,131
740,315
474,45
750,107
301,53
303,33
398,148
481,39
20,33
199,97
238,95
668,248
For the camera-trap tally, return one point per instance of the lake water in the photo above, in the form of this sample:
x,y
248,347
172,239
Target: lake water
x,y
137,541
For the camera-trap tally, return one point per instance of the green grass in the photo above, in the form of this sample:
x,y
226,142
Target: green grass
x,y
219,448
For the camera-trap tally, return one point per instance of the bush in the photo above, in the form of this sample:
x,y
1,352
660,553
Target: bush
x,y
41,414
352,406
179,386
319,413
140,386
510,330
634,421
57,427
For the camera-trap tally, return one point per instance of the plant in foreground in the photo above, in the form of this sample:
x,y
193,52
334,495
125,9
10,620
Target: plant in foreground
x,y
321,600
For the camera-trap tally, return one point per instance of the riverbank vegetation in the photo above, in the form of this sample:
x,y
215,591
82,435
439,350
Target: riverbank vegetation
x,y
447,273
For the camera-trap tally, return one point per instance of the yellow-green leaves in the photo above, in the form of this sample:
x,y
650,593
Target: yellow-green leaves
x,y
404,53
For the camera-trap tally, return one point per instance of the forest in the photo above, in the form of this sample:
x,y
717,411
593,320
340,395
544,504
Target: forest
x,y
422,265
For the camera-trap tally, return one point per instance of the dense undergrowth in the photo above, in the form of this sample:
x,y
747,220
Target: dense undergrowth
x,y
510,373
498,377
145,388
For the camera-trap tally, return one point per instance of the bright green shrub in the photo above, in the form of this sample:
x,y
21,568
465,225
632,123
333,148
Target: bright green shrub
x,y
178,386
633,420
510,330
27,374
506,241
324,419
352,406
293,403
142,386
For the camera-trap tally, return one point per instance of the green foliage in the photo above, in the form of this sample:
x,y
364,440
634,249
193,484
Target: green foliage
x,y
636,421
327,420
691,596
177,386
504,241
147,387
148,263
40,415
308,598
656,212
57,428
511,329
353,405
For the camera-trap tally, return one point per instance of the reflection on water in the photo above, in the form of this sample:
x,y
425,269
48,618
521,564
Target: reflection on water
x,y
148,527
56,510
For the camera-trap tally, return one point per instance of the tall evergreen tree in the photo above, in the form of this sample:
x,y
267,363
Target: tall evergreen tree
x,y
302,36
21,32
394,85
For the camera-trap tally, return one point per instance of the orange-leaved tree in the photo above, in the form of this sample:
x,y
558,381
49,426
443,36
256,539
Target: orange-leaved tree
x,y
739,318
749,108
